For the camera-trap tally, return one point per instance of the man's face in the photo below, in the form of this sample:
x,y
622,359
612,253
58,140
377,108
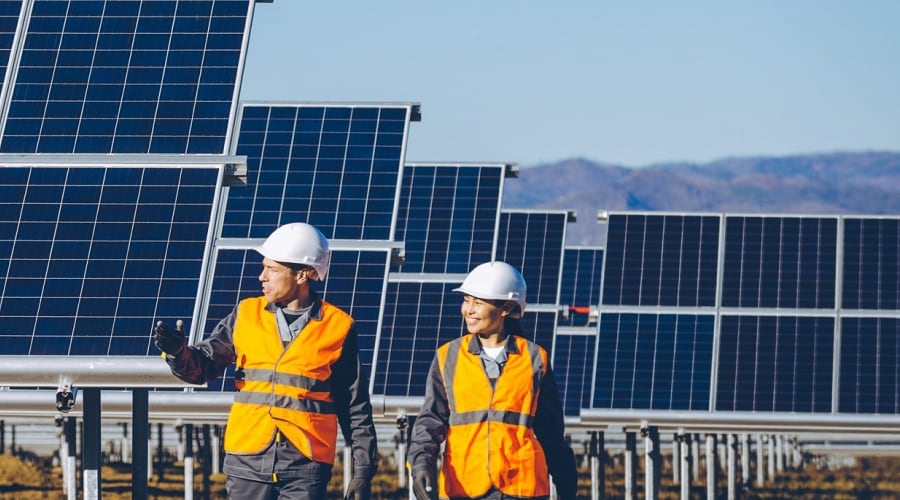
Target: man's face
x,y
280,283
483,317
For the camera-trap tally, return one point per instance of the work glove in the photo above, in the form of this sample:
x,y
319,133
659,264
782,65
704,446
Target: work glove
x,y
169,340
360,488
424,487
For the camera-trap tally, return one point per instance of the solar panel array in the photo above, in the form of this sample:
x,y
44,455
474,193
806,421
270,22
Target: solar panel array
x,y
744,313
697,312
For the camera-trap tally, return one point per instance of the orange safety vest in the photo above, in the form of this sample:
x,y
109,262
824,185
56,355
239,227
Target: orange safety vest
x,y
285,388
490,440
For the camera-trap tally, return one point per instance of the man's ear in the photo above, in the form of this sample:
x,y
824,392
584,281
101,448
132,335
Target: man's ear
x,y
507,308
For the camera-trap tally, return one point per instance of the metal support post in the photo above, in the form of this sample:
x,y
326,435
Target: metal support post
x,y
188,431
779,453
348,467
676,459
711,466
91,444
745,459
205,462
598,472
685,466
161,467
732,466
140,435
652,462
71,430
760,459
630,463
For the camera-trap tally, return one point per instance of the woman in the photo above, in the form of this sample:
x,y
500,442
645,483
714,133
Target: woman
x,y
491,399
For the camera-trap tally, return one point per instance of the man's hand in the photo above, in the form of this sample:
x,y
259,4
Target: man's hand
x,y
167,339
424,487
360,488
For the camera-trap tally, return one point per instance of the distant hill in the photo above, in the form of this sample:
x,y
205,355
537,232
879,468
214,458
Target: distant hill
x,y
815,184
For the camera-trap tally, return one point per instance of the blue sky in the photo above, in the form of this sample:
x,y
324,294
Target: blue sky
x,y
631,83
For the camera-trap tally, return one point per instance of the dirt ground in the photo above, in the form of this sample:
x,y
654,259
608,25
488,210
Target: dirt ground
x,y
870,479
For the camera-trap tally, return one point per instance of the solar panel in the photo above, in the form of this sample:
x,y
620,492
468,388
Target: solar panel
x,y
127,77
870,365
90,257
775,363
871,277
785,262
661,260
573,364
355,283
418,317
335,166
447,216
654,361
580,283
533,242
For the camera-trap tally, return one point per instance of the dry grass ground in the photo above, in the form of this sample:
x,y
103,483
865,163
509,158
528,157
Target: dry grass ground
x,y
872,479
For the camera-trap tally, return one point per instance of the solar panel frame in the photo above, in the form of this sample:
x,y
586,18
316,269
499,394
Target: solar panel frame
x,y
870,278
645,343
533,241
120,208
448,215
652,269
342,161
126,77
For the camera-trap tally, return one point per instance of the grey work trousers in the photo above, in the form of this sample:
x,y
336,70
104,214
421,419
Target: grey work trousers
x,y
310,483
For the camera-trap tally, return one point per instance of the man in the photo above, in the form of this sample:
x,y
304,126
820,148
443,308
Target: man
x,y
297,374
492,416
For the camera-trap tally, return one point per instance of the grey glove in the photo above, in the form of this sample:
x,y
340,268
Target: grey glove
x,y
360,488
424,485
169,340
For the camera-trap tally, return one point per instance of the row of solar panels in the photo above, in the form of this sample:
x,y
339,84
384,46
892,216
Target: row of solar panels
x,y
696,312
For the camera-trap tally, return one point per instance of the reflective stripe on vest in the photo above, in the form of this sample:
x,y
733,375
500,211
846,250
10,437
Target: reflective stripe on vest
x,y
490,440
285,388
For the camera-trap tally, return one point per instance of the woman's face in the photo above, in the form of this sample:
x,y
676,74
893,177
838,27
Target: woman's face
x,y
483,317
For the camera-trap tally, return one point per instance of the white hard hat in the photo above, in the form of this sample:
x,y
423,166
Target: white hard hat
x,y
298,243
496,281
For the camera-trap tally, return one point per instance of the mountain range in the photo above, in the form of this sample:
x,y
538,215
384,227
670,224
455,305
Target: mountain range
x,y
859,183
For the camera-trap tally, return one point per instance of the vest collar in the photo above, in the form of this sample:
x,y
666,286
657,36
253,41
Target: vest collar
x,y
475,346
314,314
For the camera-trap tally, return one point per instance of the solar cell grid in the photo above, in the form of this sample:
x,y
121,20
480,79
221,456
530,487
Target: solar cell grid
x,y
661,260
336,167
573,362
775,364
418,318
871,272
127,77
654,362
785,262
92,256
533,243
447,216
870,365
